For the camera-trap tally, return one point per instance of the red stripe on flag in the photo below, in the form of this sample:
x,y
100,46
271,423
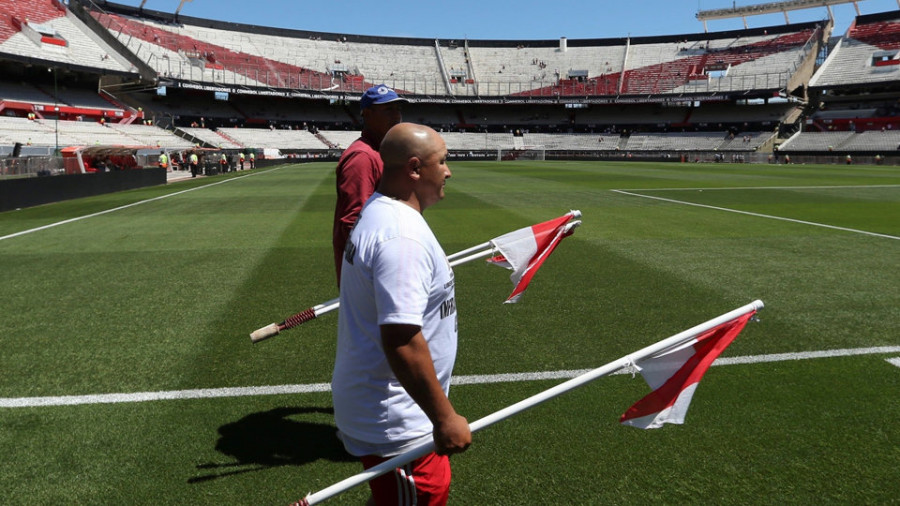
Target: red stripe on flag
x,y
706,349
544,251
525,250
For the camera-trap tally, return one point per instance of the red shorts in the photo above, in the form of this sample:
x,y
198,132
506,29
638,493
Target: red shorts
x,y
422,482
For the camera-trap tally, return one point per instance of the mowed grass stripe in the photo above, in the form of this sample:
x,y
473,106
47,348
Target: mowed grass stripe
x,y
122,300
294,270
126,206
758,215
176,291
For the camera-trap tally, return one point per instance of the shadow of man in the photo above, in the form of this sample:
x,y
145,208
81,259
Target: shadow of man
x,y
269,439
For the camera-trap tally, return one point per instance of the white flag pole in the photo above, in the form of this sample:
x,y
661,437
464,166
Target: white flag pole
x,y
458,258
460,254
329,306
660,347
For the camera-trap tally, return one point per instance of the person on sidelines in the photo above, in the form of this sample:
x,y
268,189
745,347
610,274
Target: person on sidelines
x,y
163,160
359,168
397,328
195,164
252,160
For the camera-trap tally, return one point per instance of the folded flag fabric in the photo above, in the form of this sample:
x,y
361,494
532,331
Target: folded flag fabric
x,y
523,251
675,374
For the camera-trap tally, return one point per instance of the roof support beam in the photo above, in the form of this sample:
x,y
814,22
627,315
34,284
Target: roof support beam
x,y
770,8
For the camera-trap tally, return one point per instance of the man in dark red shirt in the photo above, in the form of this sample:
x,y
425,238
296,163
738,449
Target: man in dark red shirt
x,y
359,169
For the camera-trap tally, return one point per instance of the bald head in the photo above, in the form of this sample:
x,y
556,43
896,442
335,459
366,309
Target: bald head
x,y
405,141
415,166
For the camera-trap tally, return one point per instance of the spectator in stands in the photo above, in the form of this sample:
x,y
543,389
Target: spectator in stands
x,y
359,168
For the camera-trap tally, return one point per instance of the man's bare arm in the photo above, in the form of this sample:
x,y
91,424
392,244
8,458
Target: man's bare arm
x,y
408,355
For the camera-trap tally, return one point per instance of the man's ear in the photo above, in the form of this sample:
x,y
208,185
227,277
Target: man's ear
x,y
413,166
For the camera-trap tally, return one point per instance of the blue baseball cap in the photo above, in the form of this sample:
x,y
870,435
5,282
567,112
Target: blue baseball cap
x,y
379,94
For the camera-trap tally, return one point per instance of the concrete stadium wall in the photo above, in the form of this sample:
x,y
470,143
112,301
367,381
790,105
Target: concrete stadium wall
x,y
33,191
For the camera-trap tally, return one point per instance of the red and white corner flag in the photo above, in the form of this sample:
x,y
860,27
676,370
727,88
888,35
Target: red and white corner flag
x,y
714,334
675,374
523,251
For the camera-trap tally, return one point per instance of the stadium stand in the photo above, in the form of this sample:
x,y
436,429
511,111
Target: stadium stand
x,y
813,141
243,55
274,139
46,30
887,142
478,141
180,82
725,62
208,137
185,51
583,142
746,141
83,133
339,138
700,141
869,53
873,141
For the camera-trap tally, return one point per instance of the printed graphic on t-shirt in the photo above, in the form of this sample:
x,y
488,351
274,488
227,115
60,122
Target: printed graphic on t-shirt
x,y
448,307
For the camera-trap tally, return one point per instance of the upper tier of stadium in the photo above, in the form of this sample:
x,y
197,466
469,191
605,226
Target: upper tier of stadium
x,y
869,53
194,49
118,39
742,90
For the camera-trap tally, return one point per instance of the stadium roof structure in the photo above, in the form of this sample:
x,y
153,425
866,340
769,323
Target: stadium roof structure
x,y
771,8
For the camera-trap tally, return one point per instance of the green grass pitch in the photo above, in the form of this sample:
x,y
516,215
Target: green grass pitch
x,y
161,296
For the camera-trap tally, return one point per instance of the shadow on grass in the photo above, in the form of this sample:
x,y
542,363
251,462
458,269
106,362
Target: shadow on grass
x,y
270,439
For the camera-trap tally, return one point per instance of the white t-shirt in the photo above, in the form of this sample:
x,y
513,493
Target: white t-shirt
x,y
394,272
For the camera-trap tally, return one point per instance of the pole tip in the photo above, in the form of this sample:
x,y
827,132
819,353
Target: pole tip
x,y
264,333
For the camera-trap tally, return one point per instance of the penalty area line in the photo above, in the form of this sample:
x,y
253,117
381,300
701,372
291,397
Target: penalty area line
x,y
209,393
759,215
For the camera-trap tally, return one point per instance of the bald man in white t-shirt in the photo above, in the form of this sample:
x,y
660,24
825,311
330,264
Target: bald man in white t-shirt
x,y
397,330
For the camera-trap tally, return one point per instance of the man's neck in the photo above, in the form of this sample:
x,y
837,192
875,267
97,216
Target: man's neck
x,y
408,198
371,138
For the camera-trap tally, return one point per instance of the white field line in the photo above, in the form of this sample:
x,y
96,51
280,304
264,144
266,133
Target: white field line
x,y
732,188
107,211
207,393
759,215
894,361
